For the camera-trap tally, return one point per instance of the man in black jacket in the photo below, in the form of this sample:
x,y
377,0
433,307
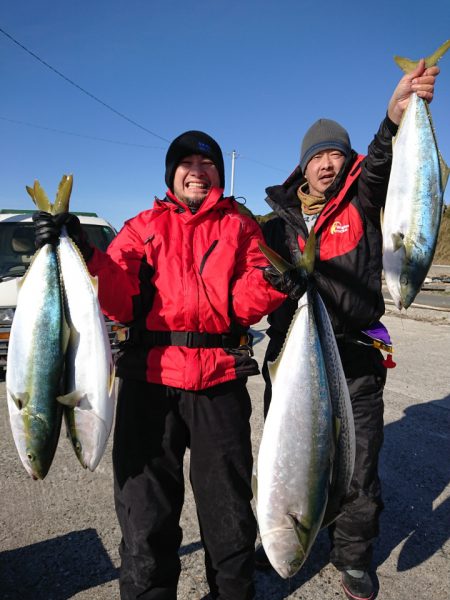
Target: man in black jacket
x,y
340,193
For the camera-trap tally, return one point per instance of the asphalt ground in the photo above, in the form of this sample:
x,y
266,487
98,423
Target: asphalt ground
x,y
59,537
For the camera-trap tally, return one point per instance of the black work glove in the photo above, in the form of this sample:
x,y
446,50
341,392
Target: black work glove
x,y
46,231
291,282
76,232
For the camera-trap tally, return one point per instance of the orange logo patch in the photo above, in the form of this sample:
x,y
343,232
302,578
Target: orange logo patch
x,y
337,227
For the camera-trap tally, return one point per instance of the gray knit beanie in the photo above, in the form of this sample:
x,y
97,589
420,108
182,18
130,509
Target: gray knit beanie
x,y
324,134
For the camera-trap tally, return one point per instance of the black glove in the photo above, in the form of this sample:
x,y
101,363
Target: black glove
x,y
291,282
76,233
45,229
48,229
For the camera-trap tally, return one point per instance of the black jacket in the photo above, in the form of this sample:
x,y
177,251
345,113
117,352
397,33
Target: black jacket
x,y
348,260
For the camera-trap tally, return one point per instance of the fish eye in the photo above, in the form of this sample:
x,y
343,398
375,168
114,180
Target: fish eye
x,y
31,457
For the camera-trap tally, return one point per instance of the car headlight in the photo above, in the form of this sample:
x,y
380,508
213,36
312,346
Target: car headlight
x,y
6,316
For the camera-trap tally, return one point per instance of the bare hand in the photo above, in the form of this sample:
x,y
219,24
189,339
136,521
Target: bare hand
x,y
421,81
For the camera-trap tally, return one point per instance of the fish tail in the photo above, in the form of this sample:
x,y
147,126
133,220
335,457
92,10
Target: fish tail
x,y
61,203
407,65
305,263
63,195
309,253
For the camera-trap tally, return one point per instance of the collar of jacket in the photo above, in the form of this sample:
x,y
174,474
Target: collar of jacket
x,y
213,200
283,198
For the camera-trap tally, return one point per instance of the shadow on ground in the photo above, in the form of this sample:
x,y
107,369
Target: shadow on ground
x,y
415,470
56,569
60,568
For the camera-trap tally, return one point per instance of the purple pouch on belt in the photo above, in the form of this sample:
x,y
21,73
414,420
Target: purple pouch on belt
x,y
382,340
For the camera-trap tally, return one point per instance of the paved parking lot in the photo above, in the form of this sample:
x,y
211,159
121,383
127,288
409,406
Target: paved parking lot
x,y
59,537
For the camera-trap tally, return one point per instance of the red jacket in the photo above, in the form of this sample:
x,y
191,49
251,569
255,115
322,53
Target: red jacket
x,y
171,270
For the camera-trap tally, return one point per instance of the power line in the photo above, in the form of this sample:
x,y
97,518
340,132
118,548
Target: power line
x,y
80,135
108,106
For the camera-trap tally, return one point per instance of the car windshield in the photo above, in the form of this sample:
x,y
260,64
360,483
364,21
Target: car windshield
x,y
17,245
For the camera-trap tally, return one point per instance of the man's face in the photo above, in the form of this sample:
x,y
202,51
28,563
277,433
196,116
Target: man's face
x,y
194,177
322,169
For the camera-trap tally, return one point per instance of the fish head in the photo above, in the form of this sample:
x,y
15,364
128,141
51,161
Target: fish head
x,y
88,434
410,282
284,551
35,446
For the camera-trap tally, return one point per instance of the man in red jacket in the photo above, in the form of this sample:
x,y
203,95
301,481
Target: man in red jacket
x,y
187,277
339,194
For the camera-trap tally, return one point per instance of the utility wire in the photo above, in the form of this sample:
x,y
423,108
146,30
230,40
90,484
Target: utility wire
x,y
109,107
106,105
263,164
80,135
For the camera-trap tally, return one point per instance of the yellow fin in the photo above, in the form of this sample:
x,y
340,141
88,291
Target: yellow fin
x,y
277,261
407,65
40,198
397,240
71,400
21,399
445,172
281,265
63,194
112,379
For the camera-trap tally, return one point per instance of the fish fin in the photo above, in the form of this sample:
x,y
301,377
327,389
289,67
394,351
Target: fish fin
x,y
277,261
302,530
337,427
94,281
255,485
407,65
72,399
112,378
445,172
63,194
31,192
309,253
20,399
397,240
306,261
382,216
40,198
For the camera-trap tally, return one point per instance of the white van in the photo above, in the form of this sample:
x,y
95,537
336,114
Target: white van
x,y
16,250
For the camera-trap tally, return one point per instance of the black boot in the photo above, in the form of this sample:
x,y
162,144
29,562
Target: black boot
x,y
357,584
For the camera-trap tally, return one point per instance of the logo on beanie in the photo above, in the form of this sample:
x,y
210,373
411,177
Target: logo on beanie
x,y
337,227
204,147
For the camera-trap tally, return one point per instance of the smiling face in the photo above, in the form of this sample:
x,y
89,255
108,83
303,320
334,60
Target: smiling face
x,y
322,170
194,176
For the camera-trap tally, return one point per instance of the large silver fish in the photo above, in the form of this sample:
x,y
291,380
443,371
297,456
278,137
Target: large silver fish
x,y
295,455
414,201
35,354
344,427
89,397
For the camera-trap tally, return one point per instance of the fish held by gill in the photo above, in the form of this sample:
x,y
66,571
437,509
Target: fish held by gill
x,y
414,201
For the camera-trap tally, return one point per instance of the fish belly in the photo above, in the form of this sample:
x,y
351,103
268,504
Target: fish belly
x,y
89,364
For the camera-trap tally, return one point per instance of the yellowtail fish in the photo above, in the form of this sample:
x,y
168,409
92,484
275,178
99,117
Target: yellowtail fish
x,y
414,201
36,351
89,397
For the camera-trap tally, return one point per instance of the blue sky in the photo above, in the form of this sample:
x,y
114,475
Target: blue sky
x,y
254,75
